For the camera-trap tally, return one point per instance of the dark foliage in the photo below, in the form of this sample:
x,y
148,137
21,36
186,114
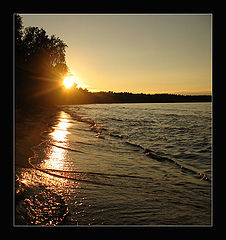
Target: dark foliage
x,y
81,96
40,65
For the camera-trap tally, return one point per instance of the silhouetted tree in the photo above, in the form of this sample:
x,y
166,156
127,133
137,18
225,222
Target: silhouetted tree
x,y
40,64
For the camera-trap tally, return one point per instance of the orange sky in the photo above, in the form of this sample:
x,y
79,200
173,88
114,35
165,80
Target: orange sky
x,y
150,53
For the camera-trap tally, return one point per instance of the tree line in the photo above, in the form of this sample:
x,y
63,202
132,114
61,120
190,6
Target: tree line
x,y
80,96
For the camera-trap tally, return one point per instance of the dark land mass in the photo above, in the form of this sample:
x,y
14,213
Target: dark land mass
x,y
82,96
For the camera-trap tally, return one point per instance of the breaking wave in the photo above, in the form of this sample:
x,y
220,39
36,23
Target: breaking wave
x,y
147,152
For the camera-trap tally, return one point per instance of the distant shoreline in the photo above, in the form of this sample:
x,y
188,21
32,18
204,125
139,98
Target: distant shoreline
x,y
83,96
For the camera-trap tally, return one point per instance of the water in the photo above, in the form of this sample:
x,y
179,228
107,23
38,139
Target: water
x,y
121,164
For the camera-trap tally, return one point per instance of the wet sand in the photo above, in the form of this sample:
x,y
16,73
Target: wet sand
x,y
29,124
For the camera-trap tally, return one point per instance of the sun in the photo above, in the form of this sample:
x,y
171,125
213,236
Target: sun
x,y
69,82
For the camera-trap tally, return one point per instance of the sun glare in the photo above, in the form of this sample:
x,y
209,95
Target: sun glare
x,y
69,82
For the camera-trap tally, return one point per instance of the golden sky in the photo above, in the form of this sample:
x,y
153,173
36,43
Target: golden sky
x,y
149,53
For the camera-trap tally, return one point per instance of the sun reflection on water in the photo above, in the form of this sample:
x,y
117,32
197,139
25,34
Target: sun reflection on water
x,y
55,155
60,132
49,188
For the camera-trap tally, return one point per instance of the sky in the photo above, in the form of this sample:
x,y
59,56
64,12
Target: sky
x,y
138,53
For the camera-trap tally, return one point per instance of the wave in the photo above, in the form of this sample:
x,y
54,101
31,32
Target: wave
x,y
97,173
116,119
147,152
66,148
106,179
151,154
67,176
203,176
95,127
116,135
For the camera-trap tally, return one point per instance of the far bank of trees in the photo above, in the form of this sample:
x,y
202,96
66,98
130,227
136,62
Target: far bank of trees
x,y
80,96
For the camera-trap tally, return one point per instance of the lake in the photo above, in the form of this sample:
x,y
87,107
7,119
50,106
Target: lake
x,y
121,164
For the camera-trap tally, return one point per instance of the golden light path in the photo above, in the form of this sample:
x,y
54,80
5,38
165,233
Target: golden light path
x,y
47,206
56,156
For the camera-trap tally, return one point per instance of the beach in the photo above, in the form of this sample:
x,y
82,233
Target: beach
x,y
29,125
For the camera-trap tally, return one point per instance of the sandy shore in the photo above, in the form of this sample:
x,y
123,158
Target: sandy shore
x,y
29,125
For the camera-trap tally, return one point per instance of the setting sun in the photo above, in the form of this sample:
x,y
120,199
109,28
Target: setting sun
x,y
69,82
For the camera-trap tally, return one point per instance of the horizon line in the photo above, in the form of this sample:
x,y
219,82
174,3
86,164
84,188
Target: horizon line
x,y
198,93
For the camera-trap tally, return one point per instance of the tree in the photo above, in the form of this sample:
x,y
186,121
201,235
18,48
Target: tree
x,y
40,63
18,38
